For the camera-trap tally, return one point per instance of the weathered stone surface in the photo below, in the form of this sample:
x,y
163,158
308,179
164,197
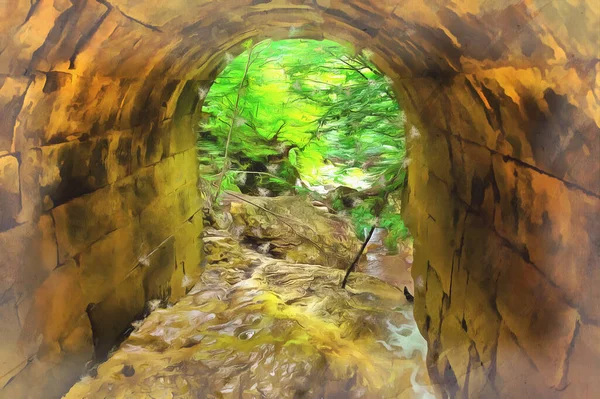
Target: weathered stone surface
x,y
31,199
292,228
555,225
516,375
12,91
106,263
537,314
583,368
166,214
110,317
159,268
28,256
12,361
75,168
10,194
511,81
86,219
57,306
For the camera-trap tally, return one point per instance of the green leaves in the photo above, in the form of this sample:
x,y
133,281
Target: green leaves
x,y
293,157
310,113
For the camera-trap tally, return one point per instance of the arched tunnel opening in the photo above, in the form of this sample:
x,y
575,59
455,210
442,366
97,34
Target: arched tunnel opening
x,y
100,211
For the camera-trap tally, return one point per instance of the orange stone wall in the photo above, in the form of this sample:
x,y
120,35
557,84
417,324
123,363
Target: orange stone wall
x,y
99,210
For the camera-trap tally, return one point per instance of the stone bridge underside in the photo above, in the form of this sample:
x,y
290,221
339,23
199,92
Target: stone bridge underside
x,y
99,210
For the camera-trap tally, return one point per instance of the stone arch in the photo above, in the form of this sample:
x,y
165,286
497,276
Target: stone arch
x,y
99,210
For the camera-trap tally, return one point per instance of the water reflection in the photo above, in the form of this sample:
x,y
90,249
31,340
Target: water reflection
x,y
395,268
266,328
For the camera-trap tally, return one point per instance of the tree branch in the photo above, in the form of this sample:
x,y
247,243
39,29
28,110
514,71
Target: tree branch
x,y
233,118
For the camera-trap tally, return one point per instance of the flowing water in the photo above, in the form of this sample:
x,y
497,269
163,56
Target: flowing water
x,y
259,327
394,268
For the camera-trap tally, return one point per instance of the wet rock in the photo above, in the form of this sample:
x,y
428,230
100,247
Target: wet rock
x,y
128,371
295,229
269,328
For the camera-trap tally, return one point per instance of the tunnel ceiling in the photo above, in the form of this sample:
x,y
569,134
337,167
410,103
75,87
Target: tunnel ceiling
x,y
97,104
130,59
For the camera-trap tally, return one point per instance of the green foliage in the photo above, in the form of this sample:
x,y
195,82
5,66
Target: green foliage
x,y
391,220
363,217
311,105
310,113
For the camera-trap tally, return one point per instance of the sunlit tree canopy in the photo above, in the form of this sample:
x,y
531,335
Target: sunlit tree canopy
x,y
297,116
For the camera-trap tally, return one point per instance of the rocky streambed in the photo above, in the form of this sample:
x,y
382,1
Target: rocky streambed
x,y
262,324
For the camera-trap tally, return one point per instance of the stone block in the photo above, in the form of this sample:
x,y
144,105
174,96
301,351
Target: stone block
x,y
168,213
168,176
149,145
481,322
118,160
536,313
28,256
32,204
29,36
72,169
47,379
42,114
160,266
437,155
139,190
106,263
480,384
584,367
434,306
442,217
65,171
189,236
57,306
456,346
10,192
419,276
57,54
86,219
80,340
474,178
470,109
110,317
11,361
188,100
483,71
179,282
189,254
516,375
12,92
555,225
484,254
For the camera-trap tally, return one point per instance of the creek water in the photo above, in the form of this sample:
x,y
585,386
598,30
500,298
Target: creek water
x,y
394,268
259,327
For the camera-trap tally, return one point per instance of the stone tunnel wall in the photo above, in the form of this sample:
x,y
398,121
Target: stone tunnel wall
x,y
99,210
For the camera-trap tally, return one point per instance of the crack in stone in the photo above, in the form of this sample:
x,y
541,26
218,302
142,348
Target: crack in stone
x,y
526,165
30,12
85,39
5,293
55,240
582,315
458,256
563,384
144,24
523,253
13,148
28,361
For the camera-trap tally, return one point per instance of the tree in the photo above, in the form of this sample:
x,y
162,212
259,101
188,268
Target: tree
x,y
297,115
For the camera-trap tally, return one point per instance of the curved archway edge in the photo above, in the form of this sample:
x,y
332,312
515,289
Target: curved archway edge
x,y
99,210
